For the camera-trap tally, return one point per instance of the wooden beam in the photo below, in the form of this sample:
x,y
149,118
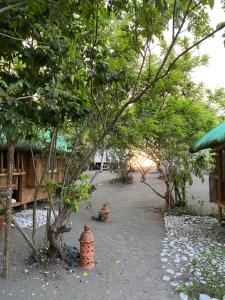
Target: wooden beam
x,y
1,154
22,162
14,174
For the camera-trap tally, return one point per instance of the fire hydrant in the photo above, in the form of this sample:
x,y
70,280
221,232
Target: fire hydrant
x,y
104,213
87,249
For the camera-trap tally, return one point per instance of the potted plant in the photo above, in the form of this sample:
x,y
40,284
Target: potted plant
x,y
2,218
104,212
130,178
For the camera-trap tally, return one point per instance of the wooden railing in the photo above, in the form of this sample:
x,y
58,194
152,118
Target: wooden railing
x,y
18,164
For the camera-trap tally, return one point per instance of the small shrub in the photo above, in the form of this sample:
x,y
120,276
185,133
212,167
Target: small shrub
x,y
207,274
182,210
106,203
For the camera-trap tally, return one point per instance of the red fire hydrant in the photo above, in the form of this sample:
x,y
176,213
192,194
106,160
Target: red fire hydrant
x,y
87,249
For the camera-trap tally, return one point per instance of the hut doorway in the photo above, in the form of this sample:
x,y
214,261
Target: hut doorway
x,y
17,192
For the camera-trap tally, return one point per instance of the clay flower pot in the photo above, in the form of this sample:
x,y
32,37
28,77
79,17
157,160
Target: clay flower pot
x,y
2,219
104,213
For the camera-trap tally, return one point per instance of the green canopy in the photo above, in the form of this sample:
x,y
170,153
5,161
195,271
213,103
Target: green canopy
x,y
211,139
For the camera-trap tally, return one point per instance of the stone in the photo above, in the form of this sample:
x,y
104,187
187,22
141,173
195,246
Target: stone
x,y
186,237
26,271
166,278
175,284
164,259
25,217
204,297
184,258
170,271
183,296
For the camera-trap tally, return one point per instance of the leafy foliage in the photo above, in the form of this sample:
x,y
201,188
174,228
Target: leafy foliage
x,y
165,124
73,193
80,67
208,273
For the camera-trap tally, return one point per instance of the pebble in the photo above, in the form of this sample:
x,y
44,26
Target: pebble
x,y
184,258
166,278
26,271
204,297
25,218
175,284
164,259
170,271
186,237
183,296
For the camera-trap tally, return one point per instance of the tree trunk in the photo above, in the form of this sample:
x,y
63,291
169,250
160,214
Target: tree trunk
x,y
53,234
8,212
39,184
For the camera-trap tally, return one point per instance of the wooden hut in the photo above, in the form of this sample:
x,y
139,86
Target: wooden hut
x,y
24,177
215,139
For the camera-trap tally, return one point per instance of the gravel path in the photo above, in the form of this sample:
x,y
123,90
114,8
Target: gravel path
x,y
127,252
187,237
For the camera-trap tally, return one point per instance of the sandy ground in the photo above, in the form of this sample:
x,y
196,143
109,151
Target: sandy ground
x,y
127,251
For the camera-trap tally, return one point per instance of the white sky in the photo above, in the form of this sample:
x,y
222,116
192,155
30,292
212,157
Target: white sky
x,y
213,75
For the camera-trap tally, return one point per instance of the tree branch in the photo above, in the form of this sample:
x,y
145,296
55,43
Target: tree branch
x,y
96,106
11,37
134,98
174,40
27,239
11,6
189,48
18,39
153,189
141,67
174,15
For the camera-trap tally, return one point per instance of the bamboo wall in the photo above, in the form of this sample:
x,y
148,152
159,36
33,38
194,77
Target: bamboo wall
x,y
217,178
24,177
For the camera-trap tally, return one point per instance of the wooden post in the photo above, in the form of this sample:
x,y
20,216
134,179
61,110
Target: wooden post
x,y
220,214
22,166
219,168
1,154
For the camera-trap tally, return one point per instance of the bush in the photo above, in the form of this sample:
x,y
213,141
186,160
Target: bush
x,y
182,210
207,274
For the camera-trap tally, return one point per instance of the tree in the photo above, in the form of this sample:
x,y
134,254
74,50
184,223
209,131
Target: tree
x,y
85,75
30,86
164,128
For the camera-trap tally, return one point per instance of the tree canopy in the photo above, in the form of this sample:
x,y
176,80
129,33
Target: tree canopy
x,y
102,72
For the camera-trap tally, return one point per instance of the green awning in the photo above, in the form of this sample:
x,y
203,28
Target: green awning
x,y
211,139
